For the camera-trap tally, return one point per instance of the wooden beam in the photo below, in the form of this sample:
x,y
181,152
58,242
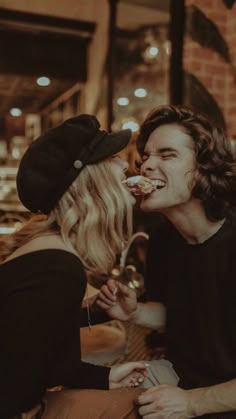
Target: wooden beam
x,y
177,21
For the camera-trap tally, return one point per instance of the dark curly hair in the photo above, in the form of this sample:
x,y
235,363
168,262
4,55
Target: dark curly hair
x,y
216,177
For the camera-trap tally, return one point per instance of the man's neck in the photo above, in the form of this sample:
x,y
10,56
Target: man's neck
x,y
192,223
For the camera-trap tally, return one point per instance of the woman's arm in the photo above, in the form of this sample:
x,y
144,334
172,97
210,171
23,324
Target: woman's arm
x,y
120,303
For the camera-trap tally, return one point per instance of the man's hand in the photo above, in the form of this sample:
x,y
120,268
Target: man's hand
x,y
117,300
164,402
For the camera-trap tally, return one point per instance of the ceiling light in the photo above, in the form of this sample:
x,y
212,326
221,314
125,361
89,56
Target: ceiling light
x,y
123,101
131,124
150,53
140,92
43,81
15,112
153,51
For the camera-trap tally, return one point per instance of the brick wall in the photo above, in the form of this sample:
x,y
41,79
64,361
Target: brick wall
x,y
208,66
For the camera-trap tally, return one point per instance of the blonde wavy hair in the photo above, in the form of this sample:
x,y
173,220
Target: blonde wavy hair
x,y
94,219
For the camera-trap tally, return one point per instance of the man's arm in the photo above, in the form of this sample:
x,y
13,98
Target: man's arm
x,y
214,399
174,402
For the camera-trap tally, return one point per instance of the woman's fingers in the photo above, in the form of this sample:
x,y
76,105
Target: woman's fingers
x,y
109,290
104,306
137,379
124,290
106,296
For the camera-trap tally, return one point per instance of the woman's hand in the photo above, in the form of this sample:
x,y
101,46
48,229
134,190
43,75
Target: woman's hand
x,y
117,300
130,374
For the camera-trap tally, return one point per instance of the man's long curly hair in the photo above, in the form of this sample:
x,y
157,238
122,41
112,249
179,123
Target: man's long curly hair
x,y
216,169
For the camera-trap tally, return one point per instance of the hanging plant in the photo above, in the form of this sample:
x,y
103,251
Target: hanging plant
x,y
205,32
197,97
229,3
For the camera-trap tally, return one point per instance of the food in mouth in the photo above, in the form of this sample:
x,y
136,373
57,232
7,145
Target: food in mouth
x,y
140,185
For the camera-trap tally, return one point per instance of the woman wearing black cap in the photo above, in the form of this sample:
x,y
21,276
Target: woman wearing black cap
x,y
72,176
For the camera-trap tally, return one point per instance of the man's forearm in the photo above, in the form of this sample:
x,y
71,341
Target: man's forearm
x,y
151,315
214,399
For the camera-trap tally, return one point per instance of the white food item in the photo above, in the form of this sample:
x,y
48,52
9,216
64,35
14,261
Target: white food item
x,y
140,185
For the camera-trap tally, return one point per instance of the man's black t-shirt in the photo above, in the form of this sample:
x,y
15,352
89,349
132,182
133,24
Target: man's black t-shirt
x,y
197,283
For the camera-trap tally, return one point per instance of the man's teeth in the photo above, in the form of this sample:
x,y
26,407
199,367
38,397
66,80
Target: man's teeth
x,y
158,183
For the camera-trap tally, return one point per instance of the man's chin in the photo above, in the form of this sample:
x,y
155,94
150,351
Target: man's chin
x,y
146,205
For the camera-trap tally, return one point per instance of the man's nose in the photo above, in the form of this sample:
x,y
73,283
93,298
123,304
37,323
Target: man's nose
x,y
148,166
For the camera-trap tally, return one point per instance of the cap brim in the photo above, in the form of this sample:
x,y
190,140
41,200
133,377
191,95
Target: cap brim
x,y
111,144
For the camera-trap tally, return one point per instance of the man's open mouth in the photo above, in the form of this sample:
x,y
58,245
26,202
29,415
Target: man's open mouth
x,y
159,184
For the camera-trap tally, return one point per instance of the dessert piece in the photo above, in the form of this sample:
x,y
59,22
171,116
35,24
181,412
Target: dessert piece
x,y
140,185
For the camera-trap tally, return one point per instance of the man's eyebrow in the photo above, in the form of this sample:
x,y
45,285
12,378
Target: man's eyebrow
x,y
160,150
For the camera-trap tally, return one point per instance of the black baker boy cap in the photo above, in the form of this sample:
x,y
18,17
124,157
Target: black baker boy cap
x,y
55,159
